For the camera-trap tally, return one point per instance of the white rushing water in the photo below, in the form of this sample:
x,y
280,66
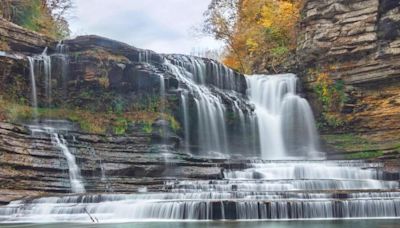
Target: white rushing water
x,y
52,129
271,190
212,135
33,86
40,69
73,169
285,120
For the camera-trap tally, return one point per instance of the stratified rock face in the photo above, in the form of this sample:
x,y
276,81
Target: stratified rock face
x,y
358,42
32,164
362,38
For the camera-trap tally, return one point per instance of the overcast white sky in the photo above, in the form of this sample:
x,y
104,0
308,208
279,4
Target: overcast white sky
x,y
164,26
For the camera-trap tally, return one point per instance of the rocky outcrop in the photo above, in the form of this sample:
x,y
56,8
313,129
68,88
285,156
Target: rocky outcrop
x,y
357,43
18,39
107,163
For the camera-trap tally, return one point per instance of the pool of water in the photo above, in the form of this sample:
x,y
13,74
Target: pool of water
x,y
280,224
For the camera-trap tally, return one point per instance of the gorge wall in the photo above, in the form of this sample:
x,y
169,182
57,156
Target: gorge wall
x,y
354,46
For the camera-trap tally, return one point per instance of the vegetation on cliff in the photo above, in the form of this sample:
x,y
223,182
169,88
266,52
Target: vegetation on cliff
x,y
43,16
259,34
332,97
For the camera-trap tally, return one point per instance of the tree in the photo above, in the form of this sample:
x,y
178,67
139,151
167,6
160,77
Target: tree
x,y
260,34
220,22
44,16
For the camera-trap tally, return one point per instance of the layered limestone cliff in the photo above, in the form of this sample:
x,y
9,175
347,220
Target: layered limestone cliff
x,y
357,44
33,164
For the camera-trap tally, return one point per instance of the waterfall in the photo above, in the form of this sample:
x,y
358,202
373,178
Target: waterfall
x,y
46,61
211,112
61,56
144,56
33,86
53,129
74,171
285,120
40,68
186,124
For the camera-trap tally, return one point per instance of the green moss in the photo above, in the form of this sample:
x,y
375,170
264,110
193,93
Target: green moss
x,y
348,142
174,124
147,127
120,126
365,155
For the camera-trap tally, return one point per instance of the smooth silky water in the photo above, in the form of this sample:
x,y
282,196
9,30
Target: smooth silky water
x,y
289,185
224,224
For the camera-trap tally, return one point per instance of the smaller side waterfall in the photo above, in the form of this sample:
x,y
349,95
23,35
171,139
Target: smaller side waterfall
x,y
52,128
40,69
186,124
74,171
33,86
61,59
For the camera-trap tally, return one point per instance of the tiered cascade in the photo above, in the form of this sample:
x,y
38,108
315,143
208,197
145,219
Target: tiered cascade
x,y
267,191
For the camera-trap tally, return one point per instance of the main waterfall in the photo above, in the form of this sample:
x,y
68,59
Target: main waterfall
x,y
285,120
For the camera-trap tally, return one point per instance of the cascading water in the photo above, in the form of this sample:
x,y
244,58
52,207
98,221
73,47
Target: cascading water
x,y
33,86
185,113
40,68
74,171
269,191
212,135
285,120
53,129
62,62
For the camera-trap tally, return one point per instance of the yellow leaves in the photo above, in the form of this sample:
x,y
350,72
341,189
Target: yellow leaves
x,y
325,83
232,62
252,45
264,34
279,14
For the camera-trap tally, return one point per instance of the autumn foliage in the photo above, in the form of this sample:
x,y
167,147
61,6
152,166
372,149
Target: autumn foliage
x,y
260,35
44,16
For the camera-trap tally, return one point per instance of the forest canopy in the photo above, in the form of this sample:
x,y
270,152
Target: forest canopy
x,y
259,34
44,16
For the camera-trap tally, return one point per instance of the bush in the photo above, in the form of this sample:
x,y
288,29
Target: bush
x,y
332,96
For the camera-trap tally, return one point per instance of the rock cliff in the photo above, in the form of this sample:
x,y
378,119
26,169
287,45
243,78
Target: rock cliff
x,y
356,43
31,165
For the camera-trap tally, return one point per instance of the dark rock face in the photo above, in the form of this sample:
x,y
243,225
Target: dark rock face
x,y
359,43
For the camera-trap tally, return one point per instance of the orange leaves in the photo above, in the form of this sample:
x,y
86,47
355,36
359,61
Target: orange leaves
x,y
263,33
